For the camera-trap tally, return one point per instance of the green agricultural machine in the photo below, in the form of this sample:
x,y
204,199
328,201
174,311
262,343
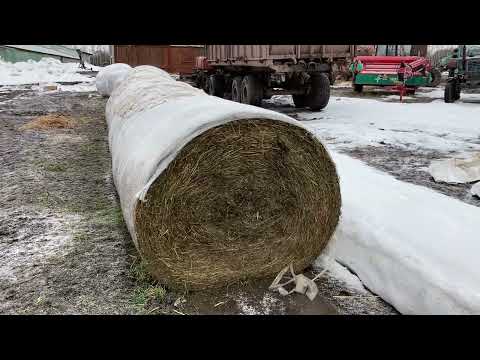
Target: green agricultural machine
x,y
463,71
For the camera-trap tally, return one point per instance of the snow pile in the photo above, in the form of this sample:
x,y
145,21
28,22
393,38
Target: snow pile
x,y
414,247
456,171
46,70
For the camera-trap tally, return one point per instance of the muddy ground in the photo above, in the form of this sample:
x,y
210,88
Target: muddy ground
x,y
64,247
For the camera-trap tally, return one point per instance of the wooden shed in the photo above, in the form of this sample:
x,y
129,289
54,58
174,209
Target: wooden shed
x,y
176,59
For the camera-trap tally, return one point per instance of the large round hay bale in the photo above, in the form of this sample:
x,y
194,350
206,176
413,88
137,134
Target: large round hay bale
x,y
214,191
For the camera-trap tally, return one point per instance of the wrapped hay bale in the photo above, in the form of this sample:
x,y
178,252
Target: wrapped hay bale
x,y
214,191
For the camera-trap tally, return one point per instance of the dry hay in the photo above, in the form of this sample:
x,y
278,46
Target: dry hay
x,y
240,201
50,121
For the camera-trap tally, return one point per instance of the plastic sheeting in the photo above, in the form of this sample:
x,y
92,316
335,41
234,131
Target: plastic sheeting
x,y
108,78
151,117
416,248
456,171
475,190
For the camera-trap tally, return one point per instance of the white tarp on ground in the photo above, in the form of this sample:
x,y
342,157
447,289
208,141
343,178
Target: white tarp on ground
x,y
476,189
456,171
47,70
414,247
151,117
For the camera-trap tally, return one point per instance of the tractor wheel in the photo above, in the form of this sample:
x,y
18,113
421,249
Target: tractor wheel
x,y
252,91
358,88
237,89
449,95
436,78
216,85
332,76
457,91
300,101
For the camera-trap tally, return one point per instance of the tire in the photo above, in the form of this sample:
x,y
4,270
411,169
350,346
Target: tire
x,y
332,76
216,85
300,101
319,93
237,89
410,92
252,91
358,88
457,92
436,78
449,94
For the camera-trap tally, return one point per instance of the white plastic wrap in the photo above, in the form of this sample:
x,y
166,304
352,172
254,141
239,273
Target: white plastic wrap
x,y
458,171
475,190
111,75
416,248
151,117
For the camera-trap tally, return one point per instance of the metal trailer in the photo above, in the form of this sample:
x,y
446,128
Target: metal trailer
x,y
250,73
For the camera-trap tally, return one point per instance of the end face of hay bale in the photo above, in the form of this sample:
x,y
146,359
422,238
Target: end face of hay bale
x,y
240,201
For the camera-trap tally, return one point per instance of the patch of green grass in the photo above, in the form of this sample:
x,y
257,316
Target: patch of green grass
x,y
55,167
109,216
80,236
148,296
145,297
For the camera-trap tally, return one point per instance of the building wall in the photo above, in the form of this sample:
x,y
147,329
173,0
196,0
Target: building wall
x,y
172,58
17,53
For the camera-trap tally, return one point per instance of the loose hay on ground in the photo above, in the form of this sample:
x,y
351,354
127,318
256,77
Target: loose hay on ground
x,y
50,121
242,200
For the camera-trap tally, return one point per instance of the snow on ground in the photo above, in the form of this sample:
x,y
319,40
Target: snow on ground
x,y
88,87
414,247
438,93
326,261
46,70
353,122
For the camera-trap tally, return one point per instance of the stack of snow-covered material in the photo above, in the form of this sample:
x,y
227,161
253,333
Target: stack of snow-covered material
x,y
416,248
47,70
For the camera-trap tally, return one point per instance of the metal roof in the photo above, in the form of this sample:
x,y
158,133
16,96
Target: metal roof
x,y
58,50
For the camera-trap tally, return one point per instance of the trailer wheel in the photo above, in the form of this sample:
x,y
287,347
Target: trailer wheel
x,y
300,101
319,93
457,91
252,91
358,88
237,89
449,95
332,76
436,78
216,85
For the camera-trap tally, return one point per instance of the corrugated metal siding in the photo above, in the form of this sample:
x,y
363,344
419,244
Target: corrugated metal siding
x,y
56,50
174,59
253,53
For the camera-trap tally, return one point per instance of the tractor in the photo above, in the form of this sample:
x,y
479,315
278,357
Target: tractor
x,y
463,71
403,68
